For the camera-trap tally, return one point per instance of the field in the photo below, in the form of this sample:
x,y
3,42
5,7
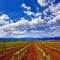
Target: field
x,y
30,50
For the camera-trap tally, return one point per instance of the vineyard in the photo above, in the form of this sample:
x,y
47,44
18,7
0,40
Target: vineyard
x,y
30,50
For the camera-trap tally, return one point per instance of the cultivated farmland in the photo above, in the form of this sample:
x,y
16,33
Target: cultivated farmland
x,y
30,50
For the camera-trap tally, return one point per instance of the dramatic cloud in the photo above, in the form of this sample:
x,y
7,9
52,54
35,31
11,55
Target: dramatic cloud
x,y
13,29
42,23
45,2
24,24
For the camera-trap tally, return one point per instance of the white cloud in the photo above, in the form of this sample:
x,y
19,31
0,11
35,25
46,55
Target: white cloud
x,y
24,24
26,7
2,22
29,13
55,28
45,2
42,34
54,20
55,13
37,14
12,29
12,33
37,31
32,34
19,32
52,34
3,19
7,28
53,9
37,22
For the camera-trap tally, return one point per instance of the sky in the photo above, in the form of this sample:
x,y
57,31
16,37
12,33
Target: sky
x,y
29,18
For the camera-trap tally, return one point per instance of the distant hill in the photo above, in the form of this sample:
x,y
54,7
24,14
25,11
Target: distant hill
x,y
53,38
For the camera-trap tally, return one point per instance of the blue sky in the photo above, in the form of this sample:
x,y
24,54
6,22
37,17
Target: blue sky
x,y
29,18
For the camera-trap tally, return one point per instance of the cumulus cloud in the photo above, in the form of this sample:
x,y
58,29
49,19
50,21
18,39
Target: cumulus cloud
x,y
10,31
7,28
54,11
14,33
3,19
2,22
45,2
24,24
31,13
37,22
13,28
54,8
26,7
19,28
54,20
32,34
